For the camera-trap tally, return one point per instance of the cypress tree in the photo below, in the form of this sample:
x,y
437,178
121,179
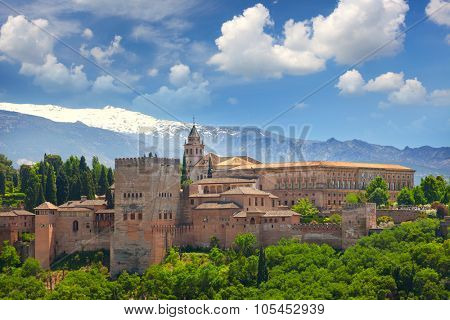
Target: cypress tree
x,y
50,188
109,199
15,179
30,198
263,273
2,183
87,185
83,166
39,196
62,188
210,170
103,182
110,177
75,188
183,170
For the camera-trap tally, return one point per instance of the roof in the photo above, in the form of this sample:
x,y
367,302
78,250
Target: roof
x,y
267,214
46,206
335,164
204,195
83,203
194,132
217,205
74,209
105,211
234,161
15,213
223,180
245,190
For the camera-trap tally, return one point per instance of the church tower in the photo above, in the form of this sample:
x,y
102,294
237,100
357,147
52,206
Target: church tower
x,y
193,149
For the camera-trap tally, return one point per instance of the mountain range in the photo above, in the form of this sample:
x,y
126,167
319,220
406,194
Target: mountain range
x,y
28,131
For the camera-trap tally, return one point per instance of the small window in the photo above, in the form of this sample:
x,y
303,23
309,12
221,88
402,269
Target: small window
x,y
140,194
125,217
192,201
140,216
132,216
170,215
75,226
165,215
160,216
124,195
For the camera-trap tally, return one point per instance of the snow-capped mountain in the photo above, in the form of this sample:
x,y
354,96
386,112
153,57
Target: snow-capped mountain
x,y
27,131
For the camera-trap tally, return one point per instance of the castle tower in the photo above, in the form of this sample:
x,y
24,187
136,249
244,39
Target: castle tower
x,y
45,244
193,149
357,220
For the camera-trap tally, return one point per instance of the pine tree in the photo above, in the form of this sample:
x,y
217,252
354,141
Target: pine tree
x,y
183,170
210,170
263,273
50,188
62,188
75,188
83,166
103,182
96,171
30,198
87,185
2,183
110,177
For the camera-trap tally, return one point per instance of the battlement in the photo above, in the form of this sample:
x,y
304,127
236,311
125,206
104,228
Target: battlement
x,y
353,206
139,161
319,227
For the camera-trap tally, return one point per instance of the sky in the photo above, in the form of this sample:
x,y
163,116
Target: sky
x,y
374,70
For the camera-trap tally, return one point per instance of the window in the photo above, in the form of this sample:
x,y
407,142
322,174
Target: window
x,y
125,217
170,215
75,226
273,203
140,216
132,216
285,202
256,202
252,220
282,219
262,201
165,215
160,216
192,201
140,194
124,195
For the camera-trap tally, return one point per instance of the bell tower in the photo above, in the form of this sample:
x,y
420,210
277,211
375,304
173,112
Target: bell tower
x,y
193,148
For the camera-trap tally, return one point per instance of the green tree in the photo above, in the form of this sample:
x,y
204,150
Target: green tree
x,y
2,183
336,218
103,181
8,257
110,177
54,161
96,172
377,191
83,165
419,197
31,267
109,199
305,207
210,169
351,198
184,177
25,173
263,273
87,185
40,198
441,211
50,189
405,197
245,244
430,187
75,188
62,188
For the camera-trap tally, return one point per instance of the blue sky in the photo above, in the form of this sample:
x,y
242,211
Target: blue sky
x,y
240,62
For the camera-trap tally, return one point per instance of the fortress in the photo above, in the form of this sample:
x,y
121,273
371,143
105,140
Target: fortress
x,y
227,196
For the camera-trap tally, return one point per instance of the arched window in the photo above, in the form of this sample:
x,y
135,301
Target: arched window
x,y
252,220
75,226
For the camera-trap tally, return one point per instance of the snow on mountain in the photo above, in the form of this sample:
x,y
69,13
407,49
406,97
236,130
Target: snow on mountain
x,y
108,118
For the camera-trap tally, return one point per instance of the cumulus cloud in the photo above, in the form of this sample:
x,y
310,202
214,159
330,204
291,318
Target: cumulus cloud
x,y
246,49
351,82
400,91
106,83
103,55
439,12
87,34
25,42
190,90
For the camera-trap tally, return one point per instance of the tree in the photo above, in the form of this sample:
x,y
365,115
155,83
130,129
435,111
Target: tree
x,y
15,179
83,165
405,197
378,196
96,171
245,244
40,198
31,268
377,191
24,177
214,242
62,188
210,169
55,161
441,211
184,177
2,183
110,177
109,199
263,273
430,187
50,189
351,198
335,218
8,257
103,182
419,197
75,188
306,209
87,184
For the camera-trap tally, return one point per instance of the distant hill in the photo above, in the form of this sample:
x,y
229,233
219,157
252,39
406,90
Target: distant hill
x,y
113,132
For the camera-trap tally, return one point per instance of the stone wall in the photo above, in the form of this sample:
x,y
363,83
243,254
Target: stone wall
x,y
357,220
400,215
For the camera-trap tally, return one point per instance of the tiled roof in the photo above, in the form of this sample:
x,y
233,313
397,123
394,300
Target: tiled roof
x,y
223,180
266,214
105,211
217,205
74,209
335,164
15,213
245,190
83,203
7,214
46,206
204,195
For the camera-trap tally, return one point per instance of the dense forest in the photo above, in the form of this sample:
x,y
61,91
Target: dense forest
x,y
53,180
409,261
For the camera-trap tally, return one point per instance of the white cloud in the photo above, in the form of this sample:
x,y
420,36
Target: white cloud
x,y
354,29
152,72
412,92
87,34
439,12
190,91
386,82
106,83
103,56
447,39
25,42
351,82
232,100
24,161
440,97
53,76
179,74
